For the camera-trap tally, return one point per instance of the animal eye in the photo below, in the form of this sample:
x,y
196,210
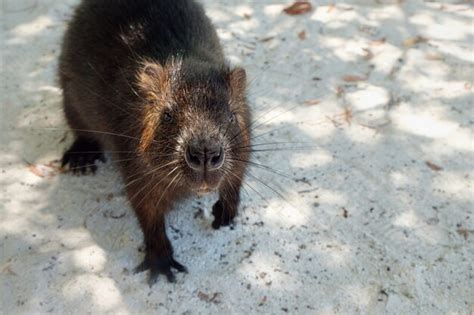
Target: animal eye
x,y
167,117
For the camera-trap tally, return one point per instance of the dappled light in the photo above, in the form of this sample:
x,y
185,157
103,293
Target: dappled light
x,y
360,198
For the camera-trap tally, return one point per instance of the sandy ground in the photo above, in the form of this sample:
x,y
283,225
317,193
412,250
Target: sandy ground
x,y
378,218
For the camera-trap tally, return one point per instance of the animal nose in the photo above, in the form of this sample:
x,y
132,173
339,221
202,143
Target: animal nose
x,y
207,157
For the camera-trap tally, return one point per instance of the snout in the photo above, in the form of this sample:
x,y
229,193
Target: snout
x,y
204,157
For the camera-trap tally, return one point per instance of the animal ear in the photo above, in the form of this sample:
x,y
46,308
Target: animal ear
x,y
238,82
152,70
151,79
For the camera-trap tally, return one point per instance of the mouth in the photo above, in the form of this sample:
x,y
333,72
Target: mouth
x,y
205,189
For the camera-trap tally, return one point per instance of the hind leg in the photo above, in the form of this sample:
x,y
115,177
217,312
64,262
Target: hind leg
x,y
82,155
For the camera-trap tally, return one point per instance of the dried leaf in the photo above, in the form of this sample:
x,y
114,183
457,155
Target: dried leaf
x,y
353,78
299,7
433,166
42,170
348,115
409,42
312,102
215,298
7,270
247,16
368,54
464,232
267,39
378,42
302,35
203,296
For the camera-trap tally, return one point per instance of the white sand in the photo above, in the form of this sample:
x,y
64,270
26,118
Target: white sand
x,y
68,244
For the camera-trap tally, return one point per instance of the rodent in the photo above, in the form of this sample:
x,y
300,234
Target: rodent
x,y
147,80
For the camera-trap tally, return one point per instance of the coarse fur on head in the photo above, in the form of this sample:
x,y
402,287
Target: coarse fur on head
x,y
195,121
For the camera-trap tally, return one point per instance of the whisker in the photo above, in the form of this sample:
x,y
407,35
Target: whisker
x,y
271,143
130,86
280,149
104,99
154,186
166,189
89,165
142,174
93,131
252,127
269,187
264,167
267,132
110,85
251,187
103,151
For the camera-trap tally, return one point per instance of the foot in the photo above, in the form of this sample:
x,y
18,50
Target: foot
x,y
160,265
82,155
222,216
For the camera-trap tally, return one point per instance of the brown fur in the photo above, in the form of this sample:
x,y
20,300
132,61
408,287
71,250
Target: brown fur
x,y
146,79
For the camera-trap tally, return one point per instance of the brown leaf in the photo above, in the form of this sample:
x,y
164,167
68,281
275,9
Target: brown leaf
x,y
203,296
464,232
378,42
44,170
7,270
299,7
215,298
433,166
302,35
409,42
348,115
312,102
247,16
368,54
267,39
353,78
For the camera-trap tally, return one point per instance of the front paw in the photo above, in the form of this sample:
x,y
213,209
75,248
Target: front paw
x,y
223,216
160,265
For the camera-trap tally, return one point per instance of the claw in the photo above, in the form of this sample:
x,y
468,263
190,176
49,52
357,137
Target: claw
x,y
170,276
153,277
82,155
161,266
176,265
141,267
